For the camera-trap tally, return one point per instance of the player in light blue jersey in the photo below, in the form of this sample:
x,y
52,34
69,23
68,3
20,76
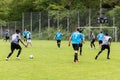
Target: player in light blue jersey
x,y
100,36
29,38
76,38
25,35
58,38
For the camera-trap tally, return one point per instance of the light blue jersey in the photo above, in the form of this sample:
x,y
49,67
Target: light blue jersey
x,y
77,38
29,36
25,33
59,36
100,36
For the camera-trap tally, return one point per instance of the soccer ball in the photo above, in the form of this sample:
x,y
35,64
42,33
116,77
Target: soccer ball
x,y
31,56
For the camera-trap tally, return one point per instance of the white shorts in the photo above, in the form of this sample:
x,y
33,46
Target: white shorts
x,y
28,40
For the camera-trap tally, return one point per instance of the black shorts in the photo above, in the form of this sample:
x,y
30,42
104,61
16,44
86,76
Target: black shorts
x,y
100,41
105,47
25,37
7,37
15,46
75,46
58,41
93,40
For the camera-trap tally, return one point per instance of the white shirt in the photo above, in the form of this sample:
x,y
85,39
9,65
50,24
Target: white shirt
x,y
15,38
105,40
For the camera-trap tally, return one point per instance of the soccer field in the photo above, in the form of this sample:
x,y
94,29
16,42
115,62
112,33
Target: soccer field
x,y
52,63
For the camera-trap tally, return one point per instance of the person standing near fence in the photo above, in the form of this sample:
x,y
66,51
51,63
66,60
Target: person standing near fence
x,y
76,38
15,44
58,37
7,35
92,39
25,35
105,45
29,37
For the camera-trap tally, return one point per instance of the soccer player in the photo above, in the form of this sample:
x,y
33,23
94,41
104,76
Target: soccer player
x,y
106,42
92,39
29,37
58,37
25,35
15,44
7,35
82,41
76,38
100,36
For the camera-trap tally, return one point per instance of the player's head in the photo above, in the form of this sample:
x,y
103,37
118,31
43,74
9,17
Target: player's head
x,y
101,32
78,29
17,31
106,34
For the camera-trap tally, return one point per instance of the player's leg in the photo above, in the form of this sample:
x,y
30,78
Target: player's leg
x,y
19,50
93,43
30,44
58,43
76,48
80,48
108,47
100,43
103,47
12,50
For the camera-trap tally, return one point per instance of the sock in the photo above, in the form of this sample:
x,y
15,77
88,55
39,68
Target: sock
x,y
18,53
9,55
75,57
58,45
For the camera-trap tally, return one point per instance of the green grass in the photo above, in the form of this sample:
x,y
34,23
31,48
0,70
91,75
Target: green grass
x,y
52,63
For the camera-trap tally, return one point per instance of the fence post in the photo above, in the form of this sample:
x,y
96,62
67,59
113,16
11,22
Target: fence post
x,y
1,30
68,23
39,24
31,22
78,19
58,21
48,26
22,21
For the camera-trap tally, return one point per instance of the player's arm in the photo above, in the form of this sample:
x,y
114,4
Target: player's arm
x,y
110,40
22,42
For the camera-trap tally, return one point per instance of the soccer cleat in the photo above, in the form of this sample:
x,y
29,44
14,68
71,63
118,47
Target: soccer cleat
x,y
108,58
80,54
6,59
96,57
17,58
76,61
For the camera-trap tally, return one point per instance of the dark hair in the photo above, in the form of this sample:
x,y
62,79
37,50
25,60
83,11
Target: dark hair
x,y
78,29
106,34
17,31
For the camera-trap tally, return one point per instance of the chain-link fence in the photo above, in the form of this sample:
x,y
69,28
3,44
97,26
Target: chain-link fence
x,y
43,25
